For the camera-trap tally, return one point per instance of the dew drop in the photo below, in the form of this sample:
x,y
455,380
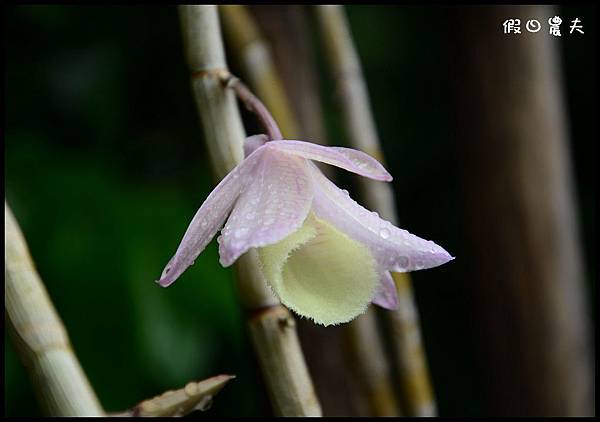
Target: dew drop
x,y
384,233
402,262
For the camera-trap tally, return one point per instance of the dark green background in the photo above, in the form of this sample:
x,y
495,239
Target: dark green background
x,y
105,166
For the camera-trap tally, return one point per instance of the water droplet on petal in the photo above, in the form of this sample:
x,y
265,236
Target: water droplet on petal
x,y
384,233
402,262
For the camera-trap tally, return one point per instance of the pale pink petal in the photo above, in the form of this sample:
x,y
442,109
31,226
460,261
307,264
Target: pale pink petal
x,y
387,295
395,249
208,219
349,159
273,205
252,143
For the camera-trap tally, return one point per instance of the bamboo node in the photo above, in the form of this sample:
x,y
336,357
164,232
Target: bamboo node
x,y
286,322
263,311
220,73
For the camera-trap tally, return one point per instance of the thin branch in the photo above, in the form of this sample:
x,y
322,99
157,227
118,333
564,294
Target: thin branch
x,y
39,334
253,104
345,67
180,402
272,328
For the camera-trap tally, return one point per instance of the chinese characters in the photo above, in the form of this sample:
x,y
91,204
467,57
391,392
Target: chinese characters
x,y
513,26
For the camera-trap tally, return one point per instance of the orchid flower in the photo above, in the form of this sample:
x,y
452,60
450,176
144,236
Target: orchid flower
x,y
324,255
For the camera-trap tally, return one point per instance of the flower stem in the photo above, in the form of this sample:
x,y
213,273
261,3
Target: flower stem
x,y
345,67
271,326
253,104
39,335
285,32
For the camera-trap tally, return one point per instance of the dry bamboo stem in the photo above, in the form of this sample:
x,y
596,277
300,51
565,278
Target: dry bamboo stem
x,y
530,292
272,328
245,38
39,334
373,370
286,30
360,129
330,376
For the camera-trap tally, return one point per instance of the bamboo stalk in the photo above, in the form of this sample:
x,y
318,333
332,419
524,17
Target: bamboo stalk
x,y
272,328
40,336
346,71
283,28
531,304
286,30
373,370
245,38
255,54
330,376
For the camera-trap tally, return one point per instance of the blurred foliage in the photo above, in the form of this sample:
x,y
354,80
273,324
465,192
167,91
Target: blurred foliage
x,y
105,166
